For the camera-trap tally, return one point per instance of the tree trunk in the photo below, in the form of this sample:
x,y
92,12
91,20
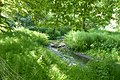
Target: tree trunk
x,y
1,5
83,24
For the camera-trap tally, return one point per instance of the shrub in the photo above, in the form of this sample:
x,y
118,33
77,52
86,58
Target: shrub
x,y
53,32
99,70
81,41
23,58
103,67
78,41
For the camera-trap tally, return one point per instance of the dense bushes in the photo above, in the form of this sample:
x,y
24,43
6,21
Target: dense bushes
x,y
81,41
23,56
103,47
53,32
105,65
18,54
100,70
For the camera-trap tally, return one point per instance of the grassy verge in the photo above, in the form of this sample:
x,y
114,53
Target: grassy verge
x,y
24,56
103,47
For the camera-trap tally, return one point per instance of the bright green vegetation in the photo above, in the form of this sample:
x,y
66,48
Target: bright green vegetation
x,y
28,27
23,54
81,41
54,33
103,47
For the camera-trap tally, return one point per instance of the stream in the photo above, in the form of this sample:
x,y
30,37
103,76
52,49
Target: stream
x,y
70,60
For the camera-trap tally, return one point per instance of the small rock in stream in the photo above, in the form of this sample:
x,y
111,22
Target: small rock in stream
x,y
55,45
62,44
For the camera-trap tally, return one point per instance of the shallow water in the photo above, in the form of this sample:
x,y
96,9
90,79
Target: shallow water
x,y
67,58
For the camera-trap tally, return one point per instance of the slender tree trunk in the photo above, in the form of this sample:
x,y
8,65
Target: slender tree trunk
x,y
1,5
83,24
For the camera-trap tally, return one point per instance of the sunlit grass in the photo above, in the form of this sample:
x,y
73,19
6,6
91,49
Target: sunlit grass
x,y
56,74
25,53
20,50
103,47
24,56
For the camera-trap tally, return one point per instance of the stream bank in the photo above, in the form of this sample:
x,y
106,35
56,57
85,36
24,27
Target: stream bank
x,y
72,58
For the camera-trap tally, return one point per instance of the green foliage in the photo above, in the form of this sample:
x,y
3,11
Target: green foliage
x,y
23,53
81,41
23,56
19,50
99,70
14,14
103,47
79,13
24,20
104,66
54,33
83,15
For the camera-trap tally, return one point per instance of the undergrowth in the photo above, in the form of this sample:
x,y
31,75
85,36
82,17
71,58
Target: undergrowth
x,y
24,56
82,41
103,47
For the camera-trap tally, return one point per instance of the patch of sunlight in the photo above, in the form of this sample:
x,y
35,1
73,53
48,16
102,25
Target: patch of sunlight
x,y
32,53
118,62
7,38
73,34
2,1
24,10
4,14
1,41
112,25
99,15
16,40
119,59
36,33
2,28
99,4
39,61
32,33
19,28
22,29
12,39
56,74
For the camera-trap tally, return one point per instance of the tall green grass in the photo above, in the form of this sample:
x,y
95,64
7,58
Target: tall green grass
x,y
20,49
24,56
82,41
103,47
